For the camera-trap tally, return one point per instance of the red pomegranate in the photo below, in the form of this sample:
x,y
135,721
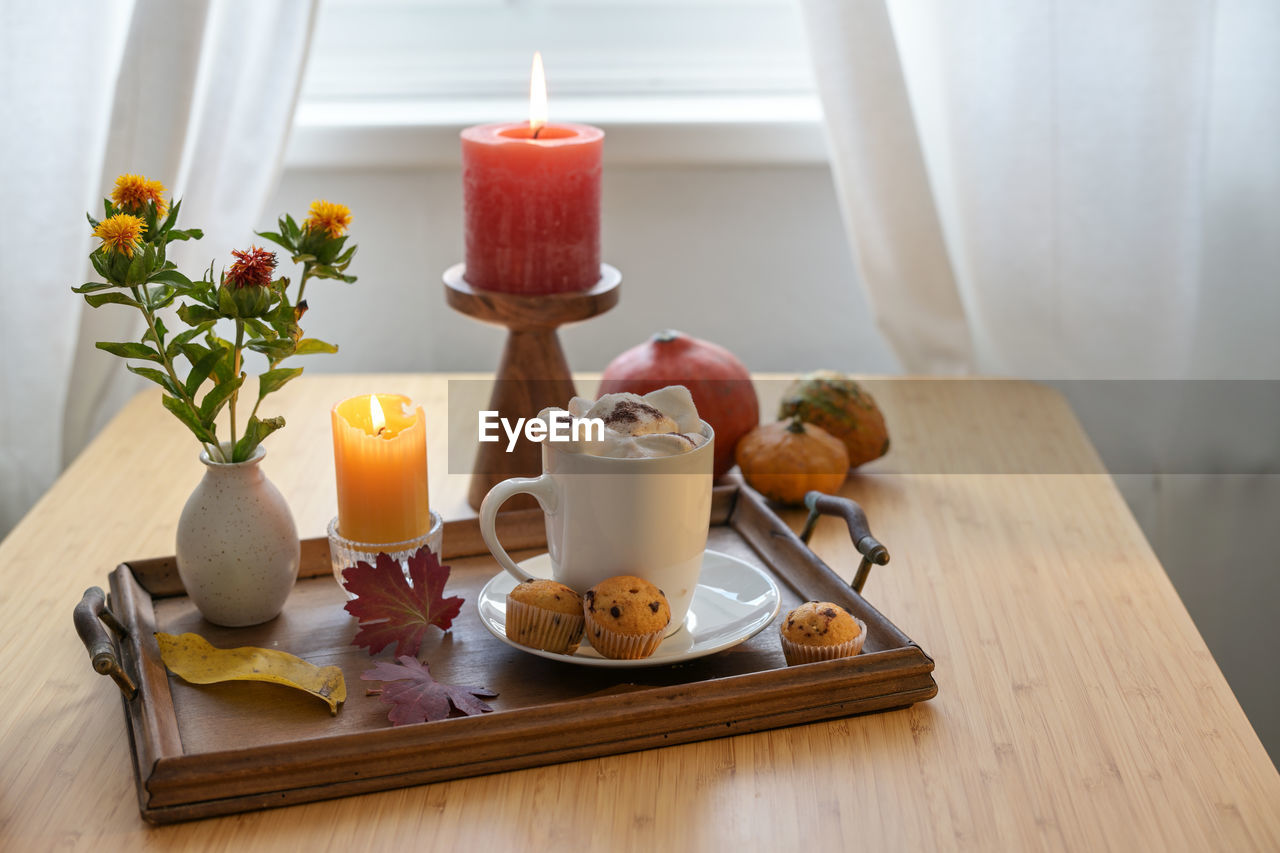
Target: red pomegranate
x,y
719,382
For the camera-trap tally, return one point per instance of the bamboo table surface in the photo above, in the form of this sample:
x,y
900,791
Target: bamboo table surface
x,y
1078,707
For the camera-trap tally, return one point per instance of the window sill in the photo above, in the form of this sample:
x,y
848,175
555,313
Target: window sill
x,y
641,131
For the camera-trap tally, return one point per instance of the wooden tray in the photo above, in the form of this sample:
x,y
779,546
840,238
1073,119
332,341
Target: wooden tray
x,y
221,749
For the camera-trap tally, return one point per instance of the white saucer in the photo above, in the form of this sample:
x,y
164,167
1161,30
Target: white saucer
x,y
733,602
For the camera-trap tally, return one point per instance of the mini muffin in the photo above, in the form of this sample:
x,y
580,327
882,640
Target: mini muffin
x,y
820,630
626,617
544,614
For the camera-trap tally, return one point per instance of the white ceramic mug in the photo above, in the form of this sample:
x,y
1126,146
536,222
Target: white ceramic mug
x,y
606,517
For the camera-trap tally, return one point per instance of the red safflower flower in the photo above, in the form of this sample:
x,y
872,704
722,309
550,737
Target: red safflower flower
x,y
252,268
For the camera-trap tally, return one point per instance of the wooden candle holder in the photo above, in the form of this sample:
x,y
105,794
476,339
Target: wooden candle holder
x,y
532,373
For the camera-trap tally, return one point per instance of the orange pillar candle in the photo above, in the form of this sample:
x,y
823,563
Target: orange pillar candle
x,y
380,453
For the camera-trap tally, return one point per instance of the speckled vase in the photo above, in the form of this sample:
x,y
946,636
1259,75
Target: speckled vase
x,y
238,548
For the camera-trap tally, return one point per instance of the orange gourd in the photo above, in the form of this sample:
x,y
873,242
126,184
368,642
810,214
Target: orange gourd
x,y
785,460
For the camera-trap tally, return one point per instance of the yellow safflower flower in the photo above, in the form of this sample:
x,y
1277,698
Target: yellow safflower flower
x,y
132,192
329,217
121,233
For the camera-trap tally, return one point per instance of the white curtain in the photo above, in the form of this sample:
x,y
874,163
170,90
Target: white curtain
x,y
1068,190
1057,190
198,94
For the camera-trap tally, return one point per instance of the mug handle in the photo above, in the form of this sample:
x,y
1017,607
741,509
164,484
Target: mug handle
x,y
542,488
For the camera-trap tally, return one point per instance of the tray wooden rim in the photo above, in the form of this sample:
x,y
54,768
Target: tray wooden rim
x,y
173,786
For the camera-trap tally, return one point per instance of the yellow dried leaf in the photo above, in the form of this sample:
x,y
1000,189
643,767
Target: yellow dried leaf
x,y
193,659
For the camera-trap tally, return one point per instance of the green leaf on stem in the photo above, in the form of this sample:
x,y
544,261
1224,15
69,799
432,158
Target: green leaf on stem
x,y
284,328
192,351
172,218
160,296
157,376
97,300
282,316
182,339
254,432
331,272
128,349
188,416
222,371
273,380
92,287
275,350
223,368
201,368
196,315
173,277
258,329
218,397
160,330
310,346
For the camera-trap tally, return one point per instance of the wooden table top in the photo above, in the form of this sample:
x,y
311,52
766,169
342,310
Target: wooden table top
x,y
1078,707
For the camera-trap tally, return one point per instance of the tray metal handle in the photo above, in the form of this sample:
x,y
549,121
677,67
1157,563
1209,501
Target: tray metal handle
x,y
873,553
90,616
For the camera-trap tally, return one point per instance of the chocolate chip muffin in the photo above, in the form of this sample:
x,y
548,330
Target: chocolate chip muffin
x,y
820,630
626,617
545,614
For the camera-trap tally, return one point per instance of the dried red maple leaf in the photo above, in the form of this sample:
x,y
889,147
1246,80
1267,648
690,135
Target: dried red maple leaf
x,y
416,697
391,611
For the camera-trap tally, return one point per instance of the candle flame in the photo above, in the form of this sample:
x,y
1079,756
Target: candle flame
x,y
537,95
375,414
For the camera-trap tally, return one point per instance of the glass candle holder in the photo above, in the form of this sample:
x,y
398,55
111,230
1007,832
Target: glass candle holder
x,y
345,553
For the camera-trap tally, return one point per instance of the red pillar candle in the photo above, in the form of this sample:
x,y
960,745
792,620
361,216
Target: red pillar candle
x,y
532,207
532,198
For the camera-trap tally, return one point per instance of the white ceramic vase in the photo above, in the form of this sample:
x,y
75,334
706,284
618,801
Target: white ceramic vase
x,y
238,550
